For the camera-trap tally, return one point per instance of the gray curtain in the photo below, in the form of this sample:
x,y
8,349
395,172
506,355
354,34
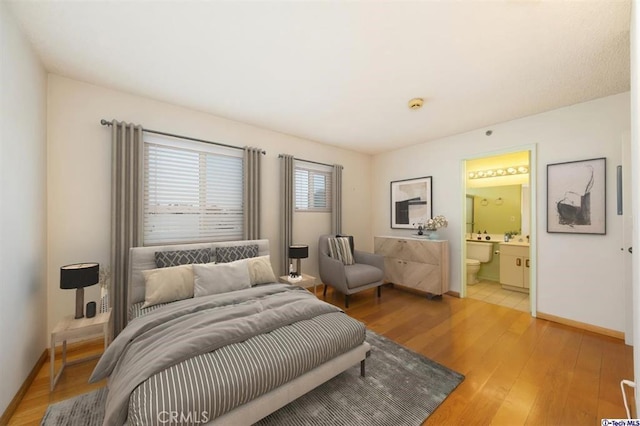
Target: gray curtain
x,y
286,209
126,211
336,194
251,182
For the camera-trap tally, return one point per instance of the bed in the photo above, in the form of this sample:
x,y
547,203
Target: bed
x,y
231,354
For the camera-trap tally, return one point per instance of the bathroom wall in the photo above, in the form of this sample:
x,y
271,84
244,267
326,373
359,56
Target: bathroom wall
x,y
497,209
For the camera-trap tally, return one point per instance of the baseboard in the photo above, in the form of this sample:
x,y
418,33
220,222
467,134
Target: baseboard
x,y
581,325
453,293
11,408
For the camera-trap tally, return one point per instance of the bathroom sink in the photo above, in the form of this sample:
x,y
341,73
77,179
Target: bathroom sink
x,y
517,243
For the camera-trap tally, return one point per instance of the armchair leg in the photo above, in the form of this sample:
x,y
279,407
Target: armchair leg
x,y
379,290
324,292
346,301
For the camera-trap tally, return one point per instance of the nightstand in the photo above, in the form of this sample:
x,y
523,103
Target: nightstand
x,y
70,328
306,281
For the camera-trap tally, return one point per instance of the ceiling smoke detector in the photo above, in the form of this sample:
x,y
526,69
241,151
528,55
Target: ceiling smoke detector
x,y
416,103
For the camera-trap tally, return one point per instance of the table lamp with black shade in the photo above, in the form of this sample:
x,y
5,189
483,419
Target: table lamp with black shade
x,y
298,252
79,276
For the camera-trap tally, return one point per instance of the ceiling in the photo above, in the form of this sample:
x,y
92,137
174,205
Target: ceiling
x,y
340,72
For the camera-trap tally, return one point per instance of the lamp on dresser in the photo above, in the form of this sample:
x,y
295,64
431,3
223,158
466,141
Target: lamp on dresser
x,y
78,276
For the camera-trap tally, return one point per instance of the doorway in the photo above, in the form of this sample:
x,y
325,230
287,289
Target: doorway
x,y
499,198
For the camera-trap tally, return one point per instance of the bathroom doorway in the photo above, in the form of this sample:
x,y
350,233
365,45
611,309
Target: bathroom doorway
x,y
498,206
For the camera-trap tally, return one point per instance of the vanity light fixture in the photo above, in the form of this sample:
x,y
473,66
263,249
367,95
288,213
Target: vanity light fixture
x,y
515,170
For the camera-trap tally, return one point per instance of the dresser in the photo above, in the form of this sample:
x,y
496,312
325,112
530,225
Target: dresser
x,y
416,263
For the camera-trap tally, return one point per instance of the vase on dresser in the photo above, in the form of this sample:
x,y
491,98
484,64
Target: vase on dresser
x,y
432,234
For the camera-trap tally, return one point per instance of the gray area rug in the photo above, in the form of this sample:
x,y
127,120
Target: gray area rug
x,y
400,388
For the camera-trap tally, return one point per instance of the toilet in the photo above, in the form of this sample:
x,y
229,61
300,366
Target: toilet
x,y
477,253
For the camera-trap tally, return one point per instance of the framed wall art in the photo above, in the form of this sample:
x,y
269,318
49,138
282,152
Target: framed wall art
x,y
576,195
410,202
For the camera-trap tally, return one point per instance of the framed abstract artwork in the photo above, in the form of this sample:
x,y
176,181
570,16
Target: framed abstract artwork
x,y
576,195
410,202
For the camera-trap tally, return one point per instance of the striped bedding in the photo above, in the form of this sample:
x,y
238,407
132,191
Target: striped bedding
x,y
209,385
136,310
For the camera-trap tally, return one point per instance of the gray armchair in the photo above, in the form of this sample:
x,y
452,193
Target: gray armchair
x,y
367,272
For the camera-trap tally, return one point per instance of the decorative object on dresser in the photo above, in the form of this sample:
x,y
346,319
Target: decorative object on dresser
x,y
79,276
298,252
367,271
415,263
431,226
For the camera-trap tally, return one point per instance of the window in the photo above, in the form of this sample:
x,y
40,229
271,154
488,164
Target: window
x,y
313,188
192,192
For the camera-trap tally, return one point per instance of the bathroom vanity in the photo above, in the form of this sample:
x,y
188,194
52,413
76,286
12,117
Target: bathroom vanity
x,y
515,266
416,263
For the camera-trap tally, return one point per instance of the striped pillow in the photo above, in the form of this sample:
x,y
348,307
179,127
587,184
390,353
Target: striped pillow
x,y
339,249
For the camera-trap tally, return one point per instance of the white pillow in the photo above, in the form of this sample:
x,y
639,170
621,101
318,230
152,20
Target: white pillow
x,y
215,278
164,285
260,270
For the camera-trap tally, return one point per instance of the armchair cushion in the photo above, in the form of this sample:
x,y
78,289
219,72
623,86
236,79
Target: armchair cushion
x,y
340,249
360,274
351,243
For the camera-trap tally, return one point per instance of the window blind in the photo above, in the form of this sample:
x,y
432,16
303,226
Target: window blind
x,y
192,192
312,187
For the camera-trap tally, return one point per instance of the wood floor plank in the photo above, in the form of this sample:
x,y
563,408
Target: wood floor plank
x,y
582,401
616,366
519,370
557,374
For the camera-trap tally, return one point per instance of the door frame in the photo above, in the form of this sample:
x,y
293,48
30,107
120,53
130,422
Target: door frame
x,y
533,214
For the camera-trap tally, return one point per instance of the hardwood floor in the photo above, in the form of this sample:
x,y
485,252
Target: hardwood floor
x,y
519,370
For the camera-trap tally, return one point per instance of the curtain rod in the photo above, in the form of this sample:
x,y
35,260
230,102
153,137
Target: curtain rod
x,y
309,161
108,123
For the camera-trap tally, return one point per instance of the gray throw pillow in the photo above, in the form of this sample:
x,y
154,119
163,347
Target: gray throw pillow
x,y
165,259
233,253
339,249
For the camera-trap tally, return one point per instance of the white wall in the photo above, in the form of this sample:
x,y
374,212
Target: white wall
x,y
579,276
79,176
22,208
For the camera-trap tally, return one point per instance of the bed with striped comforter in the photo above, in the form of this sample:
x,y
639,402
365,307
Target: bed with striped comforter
x,y
209,383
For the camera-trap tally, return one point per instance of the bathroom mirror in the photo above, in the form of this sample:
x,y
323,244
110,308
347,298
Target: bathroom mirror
x,y
498,209
470,225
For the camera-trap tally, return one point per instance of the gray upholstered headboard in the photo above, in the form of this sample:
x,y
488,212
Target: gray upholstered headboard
x,y
143,258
